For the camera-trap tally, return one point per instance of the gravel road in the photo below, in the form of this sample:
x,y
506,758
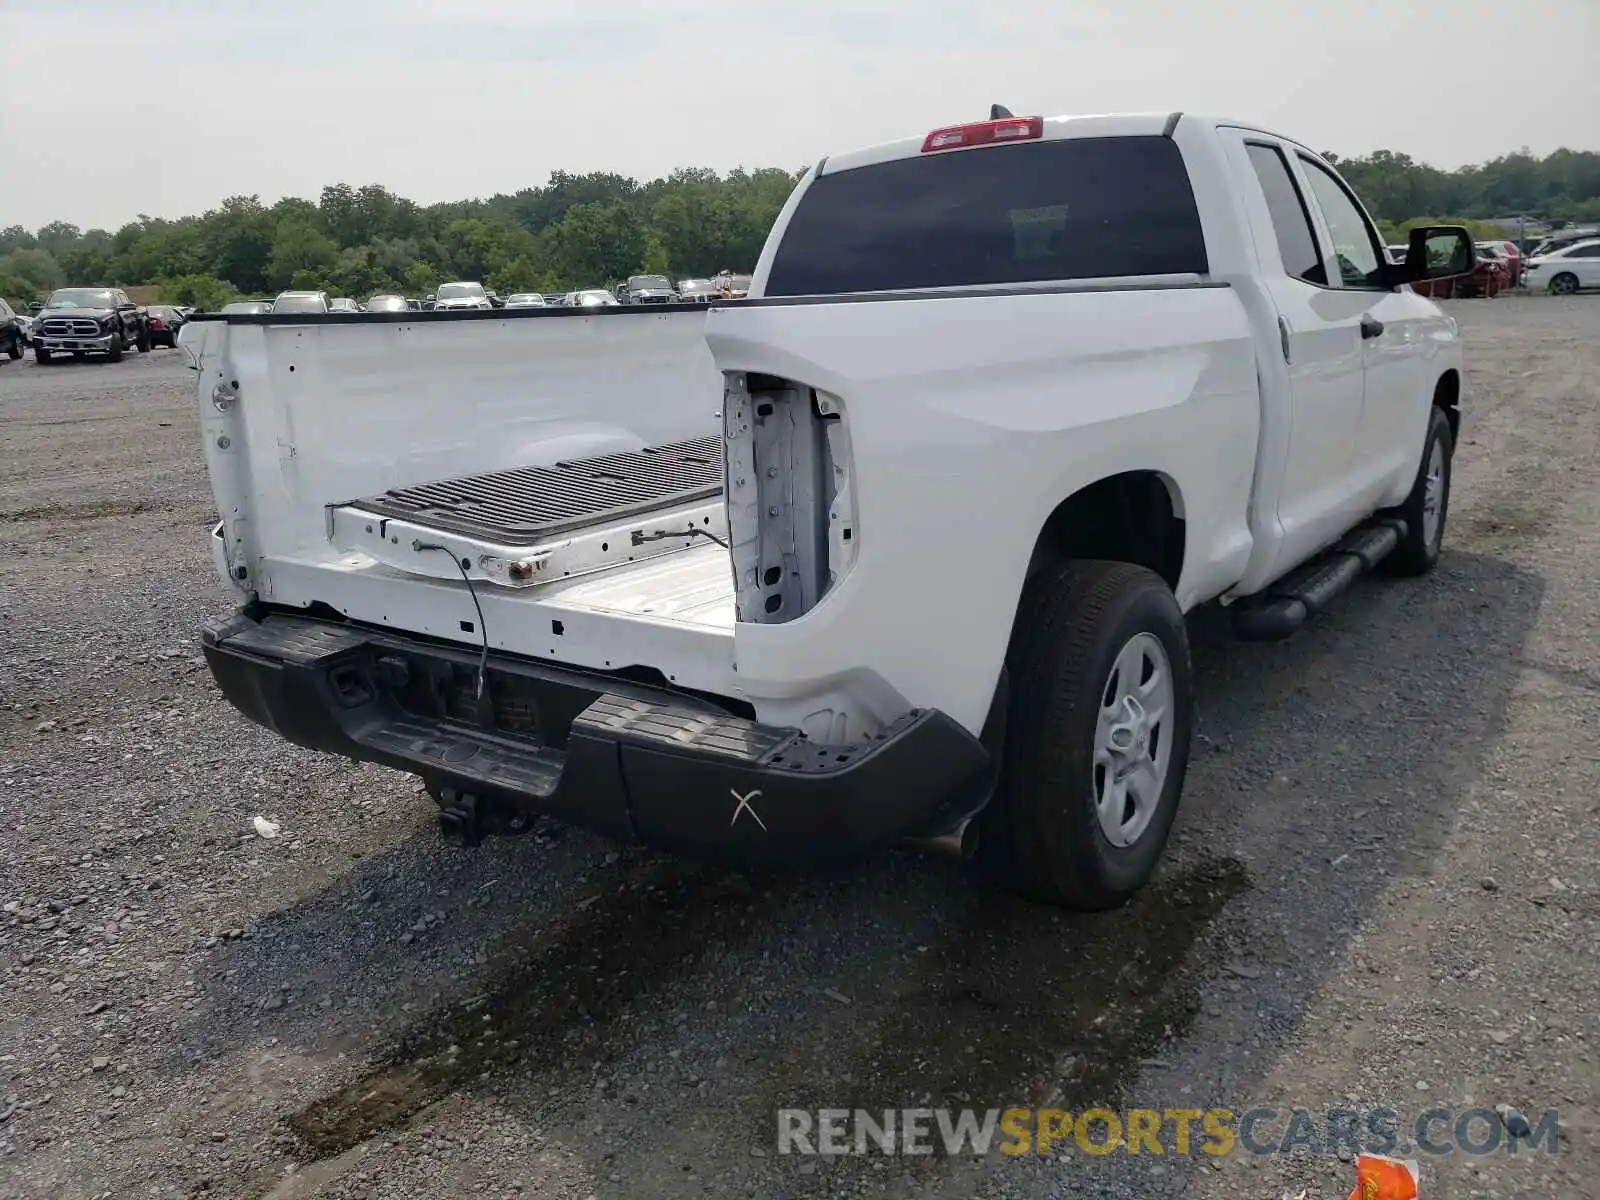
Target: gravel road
x,y
1383,889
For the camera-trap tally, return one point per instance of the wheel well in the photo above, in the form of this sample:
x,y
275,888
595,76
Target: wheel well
x,y
1133,517
1447,395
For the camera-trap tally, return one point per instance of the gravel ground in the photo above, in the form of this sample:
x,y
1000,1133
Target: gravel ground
x,y
1383,889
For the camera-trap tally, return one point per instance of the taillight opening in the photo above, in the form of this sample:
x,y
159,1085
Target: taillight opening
x,y
984,133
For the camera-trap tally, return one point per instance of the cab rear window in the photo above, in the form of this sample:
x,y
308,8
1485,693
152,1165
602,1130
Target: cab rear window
x,y
1035,212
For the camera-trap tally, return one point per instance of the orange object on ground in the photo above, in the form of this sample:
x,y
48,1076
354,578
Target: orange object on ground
x,y
1380,1178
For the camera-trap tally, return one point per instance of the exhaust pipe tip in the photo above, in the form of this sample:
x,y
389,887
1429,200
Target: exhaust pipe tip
x,y
959,843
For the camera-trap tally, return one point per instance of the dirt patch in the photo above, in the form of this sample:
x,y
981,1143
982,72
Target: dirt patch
x,y
1501,518
92,511
1020,1003
561,1000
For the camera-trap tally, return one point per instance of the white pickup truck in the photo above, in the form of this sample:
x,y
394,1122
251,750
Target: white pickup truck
x,y
899,547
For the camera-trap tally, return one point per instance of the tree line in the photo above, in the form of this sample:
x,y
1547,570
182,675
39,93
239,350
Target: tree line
x,y
590,230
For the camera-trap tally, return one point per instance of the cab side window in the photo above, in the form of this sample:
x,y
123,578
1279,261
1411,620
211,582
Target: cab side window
x,y
1291,223
1355,246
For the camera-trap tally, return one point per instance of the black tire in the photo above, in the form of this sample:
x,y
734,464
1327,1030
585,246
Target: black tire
x,y
1418,551
14,351
1564,284
114,351
1041,836
144,342
41,356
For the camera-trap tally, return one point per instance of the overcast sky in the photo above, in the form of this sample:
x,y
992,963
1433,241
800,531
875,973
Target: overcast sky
x,y
170,105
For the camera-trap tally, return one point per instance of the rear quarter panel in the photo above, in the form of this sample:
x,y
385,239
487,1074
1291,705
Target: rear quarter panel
x,y
970,419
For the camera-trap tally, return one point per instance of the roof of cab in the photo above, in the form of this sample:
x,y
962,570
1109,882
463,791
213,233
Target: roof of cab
x,y
1099,125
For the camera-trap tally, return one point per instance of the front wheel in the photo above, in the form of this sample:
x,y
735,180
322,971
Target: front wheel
x,y
144,342
1097,738
14,351
41,356
114,350
1564,284
1426,508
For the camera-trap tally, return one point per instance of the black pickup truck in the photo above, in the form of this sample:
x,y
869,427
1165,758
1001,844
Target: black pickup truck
x,y
81,321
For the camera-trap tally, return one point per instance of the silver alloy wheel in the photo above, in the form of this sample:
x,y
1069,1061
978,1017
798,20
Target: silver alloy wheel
x,y
1133,739
1563,285
1433,494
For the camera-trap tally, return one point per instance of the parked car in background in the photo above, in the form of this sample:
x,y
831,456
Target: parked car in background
x,y
647,289
593,298
343,304
84,321
456,297
731,286
1509,258
696,291
1487,278
13,337
1567,270
388,304
1560,241
300,302
526,300
165,321
246,308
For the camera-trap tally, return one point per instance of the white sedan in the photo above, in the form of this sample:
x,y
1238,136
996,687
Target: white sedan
x,y
1563,272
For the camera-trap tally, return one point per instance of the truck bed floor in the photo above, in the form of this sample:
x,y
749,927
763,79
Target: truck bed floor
x,y
524,505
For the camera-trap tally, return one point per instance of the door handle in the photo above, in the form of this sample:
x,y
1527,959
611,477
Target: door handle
x,y
1371,327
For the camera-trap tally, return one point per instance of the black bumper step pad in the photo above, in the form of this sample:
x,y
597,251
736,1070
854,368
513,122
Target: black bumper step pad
x,y
528,504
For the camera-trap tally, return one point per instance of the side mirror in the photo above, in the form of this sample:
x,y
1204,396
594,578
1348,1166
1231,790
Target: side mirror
x,y
1438,252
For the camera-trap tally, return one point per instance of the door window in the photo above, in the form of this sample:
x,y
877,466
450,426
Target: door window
x,y
1291,223
1355,246
1585,252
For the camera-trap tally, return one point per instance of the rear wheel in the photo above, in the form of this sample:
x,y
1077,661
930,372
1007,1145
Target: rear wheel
x,y
1564,284
1097,739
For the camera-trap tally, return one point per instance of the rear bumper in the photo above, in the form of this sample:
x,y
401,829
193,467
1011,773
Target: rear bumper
x,y
634,762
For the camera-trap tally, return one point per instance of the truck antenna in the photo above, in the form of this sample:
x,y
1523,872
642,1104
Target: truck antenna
x,y
999,112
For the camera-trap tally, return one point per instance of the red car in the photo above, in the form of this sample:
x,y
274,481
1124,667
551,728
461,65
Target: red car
x,y
1489,275
165,321
1510,259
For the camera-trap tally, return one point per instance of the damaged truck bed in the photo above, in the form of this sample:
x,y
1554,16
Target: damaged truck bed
x,y
529,504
